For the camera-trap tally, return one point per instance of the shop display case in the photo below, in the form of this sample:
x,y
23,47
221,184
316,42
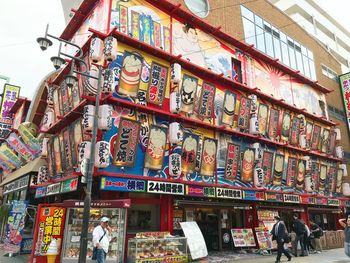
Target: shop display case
x,y
161,248
74,222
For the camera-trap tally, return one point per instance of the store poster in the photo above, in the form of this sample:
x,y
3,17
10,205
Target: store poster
x,y
157,84
263,237
178,218
278,169
291,171
315,139
243,237
263,118
300,180
247,165
188,92
10,95
232,161
229,107
126,144
345,89
206,101
7,154
49,230
267,218
273,124
27,136
195,240
267,162
208,159
189,153
156,147
14,226
244,113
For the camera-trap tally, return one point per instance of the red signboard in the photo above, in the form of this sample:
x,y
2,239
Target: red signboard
x,y
232,161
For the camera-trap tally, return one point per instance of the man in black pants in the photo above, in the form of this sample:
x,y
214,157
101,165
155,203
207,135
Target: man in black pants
x,y
280,234
299,229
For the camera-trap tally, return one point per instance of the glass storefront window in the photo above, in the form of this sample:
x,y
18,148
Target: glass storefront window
x,y
143,218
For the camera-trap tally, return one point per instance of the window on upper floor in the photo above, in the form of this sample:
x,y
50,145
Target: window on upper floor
x,y
329,73
273,42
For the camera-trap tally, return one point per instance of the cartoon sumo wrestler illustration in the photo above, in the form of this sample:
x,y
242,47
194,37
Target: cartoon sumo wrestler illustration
x,y
130,74
188,92
285,127
278,171
262,118
155,148
229,108
301,174
188,155
208,157
247,166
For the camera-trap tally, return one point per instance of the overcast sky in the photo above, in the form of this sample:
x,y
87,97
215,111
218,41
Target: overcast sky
x,y
22,21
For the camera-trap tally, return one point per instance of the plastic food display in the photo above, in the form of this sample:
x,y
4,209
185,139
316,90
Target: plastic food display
x,y
157,248
74,226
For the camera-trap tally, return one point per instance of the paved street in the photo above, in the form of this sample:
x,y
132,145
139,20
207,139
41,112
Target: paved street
x,y
328,256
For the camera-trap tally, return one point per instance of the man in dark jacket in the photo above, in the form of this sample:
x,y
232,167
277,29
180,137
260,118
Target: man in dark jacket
x,y
280,234
299,229
317,231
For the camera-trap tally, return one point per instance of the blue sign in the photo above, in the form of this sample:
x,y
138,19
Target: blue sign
x,y
40,192
122,184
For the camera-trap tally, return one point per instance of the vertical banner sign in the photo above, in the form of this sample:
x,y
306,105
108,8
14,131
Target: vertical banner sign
x,y
291,171
273,124
77,134
130,74
126,143
135,24
62,152
301,174
208,164
278,169
285,127
295,130
14,226
267,162
65,97
340,174
17,119
51,164
157,84
315,175
325,140
10,96
67,150
247,166
263,118
189,153
48,242
188,92
309,127
232,161
157,34
228,112
206,102
345,89
146,32
57,154
315,137
17,144
156,147
123,19
332,179
323,178
166,37
244,112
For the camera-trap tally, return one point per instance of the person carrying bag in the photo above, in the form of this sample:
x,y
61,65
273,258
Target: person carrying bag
x,y
100,239
280,234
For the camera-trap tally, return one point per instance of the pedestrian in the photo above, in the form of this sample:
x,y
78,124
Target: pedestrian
x,y
101,236
293,238
280,234
346,234
299,229
317,232
307,239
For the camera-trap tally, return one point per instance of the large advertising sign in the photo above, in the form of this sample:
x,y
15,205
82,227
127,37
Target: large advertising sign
x,y
14,227
9,98
344,81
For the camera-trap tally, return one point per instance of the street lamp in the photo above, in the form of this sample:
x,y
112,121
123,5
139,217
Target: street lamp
x,y
70,80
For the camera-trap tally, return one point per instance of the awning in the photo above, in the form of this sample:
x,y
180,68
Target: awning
x,y
32,166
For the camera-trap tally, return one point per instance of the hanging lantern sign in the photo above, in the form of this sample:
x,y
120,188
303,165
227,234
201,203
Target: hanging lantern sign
x,y
156,147
278,169
258,152
291,171
343,167
157,84
206,102
91,84
254,125
84,151
228,108
232,161
87,121
174,102
254,104
300,174
244,113
108,81
247,171
96,49
48,120
50,91
258,177
339,152
175,73
175,165
110,49
102,154
175,133
338,134
273,124
189,153
127,141
208,159
105,117
17,144
323,178
188,92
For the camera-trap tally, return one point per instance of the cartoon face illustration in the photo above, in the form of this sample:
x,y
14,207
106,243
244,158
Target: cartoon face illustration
x,y
279,163
157,141
286,125
131,69
230,104
209,149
